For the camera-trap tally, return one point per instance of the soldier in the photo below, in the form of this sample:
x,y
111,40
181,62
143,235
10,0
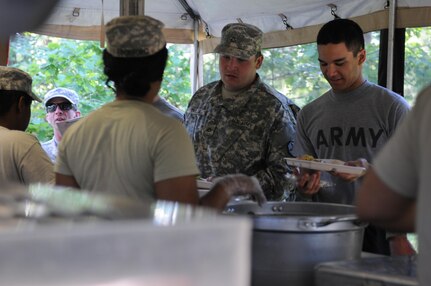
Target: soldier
x,y
22,159
61,104
354,119
239,124
128,146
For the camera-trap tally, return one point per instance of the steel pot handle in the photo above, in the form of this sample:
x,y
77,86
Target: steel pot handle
x,y
307,224
350,218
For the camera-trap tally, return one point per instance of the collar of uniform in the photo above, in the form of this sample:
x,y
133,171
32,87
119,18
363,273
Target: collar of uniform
x,y
355,94
241,100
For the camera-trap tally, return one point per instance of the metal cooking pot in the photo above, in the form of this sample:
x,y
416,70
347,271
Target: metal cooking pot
x,y
290,238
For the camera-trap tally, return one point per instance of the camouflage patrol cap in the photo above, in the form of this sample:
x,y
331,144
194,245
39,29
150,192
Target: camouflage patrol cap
x,y
16,79
62,92
240,40
134,36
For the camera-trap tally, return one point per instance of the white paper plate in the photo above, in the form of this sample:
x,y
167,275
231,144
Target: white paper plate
x,y
202,192
203,184
327,165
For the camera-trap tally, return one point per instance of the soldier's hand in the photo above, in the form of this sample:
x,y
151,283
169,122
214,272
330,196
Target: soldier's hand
x,y
307,181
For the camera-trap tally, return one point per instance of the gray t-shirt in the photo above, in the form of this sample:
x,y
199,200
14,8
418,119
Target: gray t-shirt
x,y
347,126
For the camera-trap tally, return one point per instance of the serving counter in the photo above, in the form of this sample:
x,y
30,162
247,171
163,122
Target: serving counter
x,y
54,236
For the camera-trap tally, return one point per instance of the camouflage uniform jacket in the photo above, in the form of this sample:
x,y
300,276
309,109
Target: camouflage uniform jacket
x,y
50,148
249,134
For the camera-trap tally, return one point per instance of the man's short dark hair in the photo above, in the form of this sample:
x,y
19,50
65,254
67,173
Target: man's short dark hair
x,y
9,97
342,31
134,75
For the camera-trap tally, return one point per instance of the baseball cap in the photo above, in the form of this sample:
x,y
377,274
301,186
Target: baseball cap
x,y
134,36
16,79
66,93
240,40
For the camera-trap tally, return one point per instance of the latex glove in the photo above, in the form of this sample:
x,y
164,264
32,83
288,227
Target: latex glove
x,y
239,184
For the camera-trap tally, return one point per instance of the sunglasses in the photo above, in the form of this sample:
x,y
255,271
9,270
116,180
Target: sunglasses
x,y
64,106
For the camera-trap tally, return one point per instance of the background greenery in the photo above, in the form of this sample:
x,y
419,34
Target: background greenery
x,y
294,71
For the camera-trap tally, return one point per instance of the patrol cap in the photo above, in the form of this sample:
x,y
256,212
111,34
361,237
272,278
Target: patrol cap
x,y
16,79
66,93
134,36
240,40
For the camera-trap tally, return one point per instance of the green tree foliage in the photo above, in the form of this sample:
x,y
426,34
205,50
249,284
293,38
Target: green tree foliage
x,y
55,62
417,67
176,86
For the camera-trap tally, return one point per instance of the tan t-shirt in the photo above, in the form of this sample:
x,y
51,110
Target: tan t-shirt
x,y
22,159
124,147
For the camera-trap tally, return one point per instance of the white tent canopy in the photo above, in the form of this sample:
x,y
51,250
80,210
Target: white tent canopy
x,y
82,19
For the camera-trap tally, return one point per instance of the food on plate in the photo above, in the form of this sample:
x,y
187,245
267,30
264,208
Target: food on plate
x,y
306,157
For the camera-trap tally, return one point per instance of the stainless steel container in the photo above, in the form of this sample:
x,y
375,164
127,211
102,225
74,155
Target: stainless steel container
x,y
290,238
388,271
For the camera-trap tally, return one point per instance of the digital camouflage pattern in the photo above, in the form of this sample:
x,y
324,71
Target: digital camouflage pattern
x,y
50,148
134,36
240,40
249,134
16,79
62,92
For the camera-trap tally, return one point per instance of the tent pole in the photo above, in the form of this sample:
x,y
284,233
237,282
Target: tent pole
x,y
391,33
4,51
132,7
195,71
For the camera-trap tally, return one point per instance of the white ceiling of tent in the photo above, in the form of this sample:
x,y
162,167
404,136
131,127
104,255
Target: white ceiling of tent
x,y
216,13
266,14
